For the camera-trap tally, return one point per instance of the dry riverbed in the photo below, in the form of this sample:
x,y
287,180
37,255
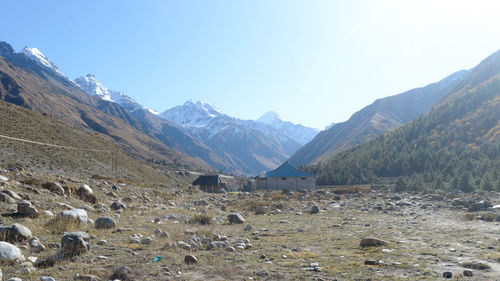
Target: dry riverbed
x,y
174,232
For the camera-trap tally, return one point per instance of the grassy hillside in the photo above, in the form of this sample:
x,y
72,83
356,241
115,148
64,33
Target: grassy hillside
x,y
22,123
454,146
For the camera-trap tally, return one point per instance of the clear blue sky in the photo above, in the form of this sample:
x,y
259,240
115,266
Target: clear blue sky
x,y
314,62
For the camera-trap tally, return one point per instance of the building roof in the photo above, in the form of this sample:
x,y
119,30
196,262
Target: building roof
x,y
208,180
287,170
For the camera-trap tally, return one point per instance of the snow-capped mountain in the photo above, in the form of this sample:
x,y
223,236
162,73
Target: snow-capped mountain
x,y
252,145
37,56
296,132
192,114
34,60
91,85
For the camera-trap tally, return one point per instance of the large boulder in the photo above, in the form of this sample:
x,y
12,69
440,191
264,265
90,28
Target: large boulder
x,y
75,243
79,215
25,208
10,253
236,218
105,222
370,241
7,199
117,206
12,194
261,210
35,245
15,233
482,205
86,194
55,187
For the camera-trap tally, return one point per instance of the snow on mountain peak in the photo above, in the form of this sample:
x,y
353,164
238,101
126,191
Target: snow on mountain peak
x,y
39,57
195,115
269,117
92,86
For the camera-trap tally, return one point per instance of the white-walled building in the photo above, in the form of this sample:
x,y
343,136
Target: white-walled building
x,y
286,176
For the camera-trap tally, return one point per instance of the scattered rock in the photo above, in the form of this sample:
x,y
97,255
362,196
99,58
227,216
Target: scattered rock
x,y
47,278
54,187
147,240
86,277
369,241
75,243
86,193
123,273
79,215
10,253
190,259
15,233
105,222
236,218
468,273
25,208
35,245
447,274
12,194
117,206
479,206
371,262
314,209
261,210
249,227
7,199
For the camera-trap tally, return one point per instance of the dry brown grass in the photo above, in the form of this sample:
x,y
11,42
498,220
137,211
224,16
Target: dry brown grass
x,y
350,189
59,225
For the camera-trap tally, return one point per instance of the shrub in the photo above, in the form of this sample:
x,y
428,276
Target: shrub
x,y
202,219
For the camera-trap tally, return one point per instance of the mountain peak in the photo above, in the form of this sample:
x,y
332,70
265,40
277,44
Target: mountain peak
x,y
205,107
5,48
92,86
37,56
269,117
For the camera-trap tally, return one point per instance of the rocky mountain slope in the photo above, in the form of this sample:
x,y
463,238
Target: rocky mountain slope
x,y
251,146
380,117
456,145
167,132
27,81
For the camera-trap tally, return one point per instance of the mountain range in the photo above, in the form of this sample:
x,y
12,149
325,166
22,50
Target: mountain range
x,y
31,83
455,145
233,145
200,136
378,118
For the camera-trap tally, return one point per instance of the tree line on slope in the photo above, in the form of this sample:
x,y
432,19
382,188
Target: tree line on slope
x,y
455,146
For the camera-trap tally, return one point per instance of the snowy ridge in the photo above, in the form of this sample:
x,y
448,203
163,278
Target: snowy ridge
x,y
92,86
194,115
39,57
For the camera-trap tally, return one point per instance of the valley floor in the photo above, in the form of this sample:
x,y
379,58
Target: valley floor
x,y
425,235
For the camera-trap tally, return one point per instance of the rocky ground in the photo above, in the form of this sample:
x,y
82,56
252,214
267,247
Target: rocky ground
x,y
56,228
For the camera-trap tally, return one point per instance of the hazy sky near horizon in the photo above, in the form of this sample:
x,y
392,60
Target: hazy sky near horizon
x,y
313,62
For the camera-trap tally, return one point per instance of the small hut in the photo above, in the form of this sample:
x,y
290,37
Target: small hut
x,y
213,183
288,177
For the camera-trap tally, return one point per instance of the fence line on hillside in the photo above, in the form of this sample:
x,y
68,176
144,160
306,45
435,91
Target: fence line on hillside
x,y
56,145
114,158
